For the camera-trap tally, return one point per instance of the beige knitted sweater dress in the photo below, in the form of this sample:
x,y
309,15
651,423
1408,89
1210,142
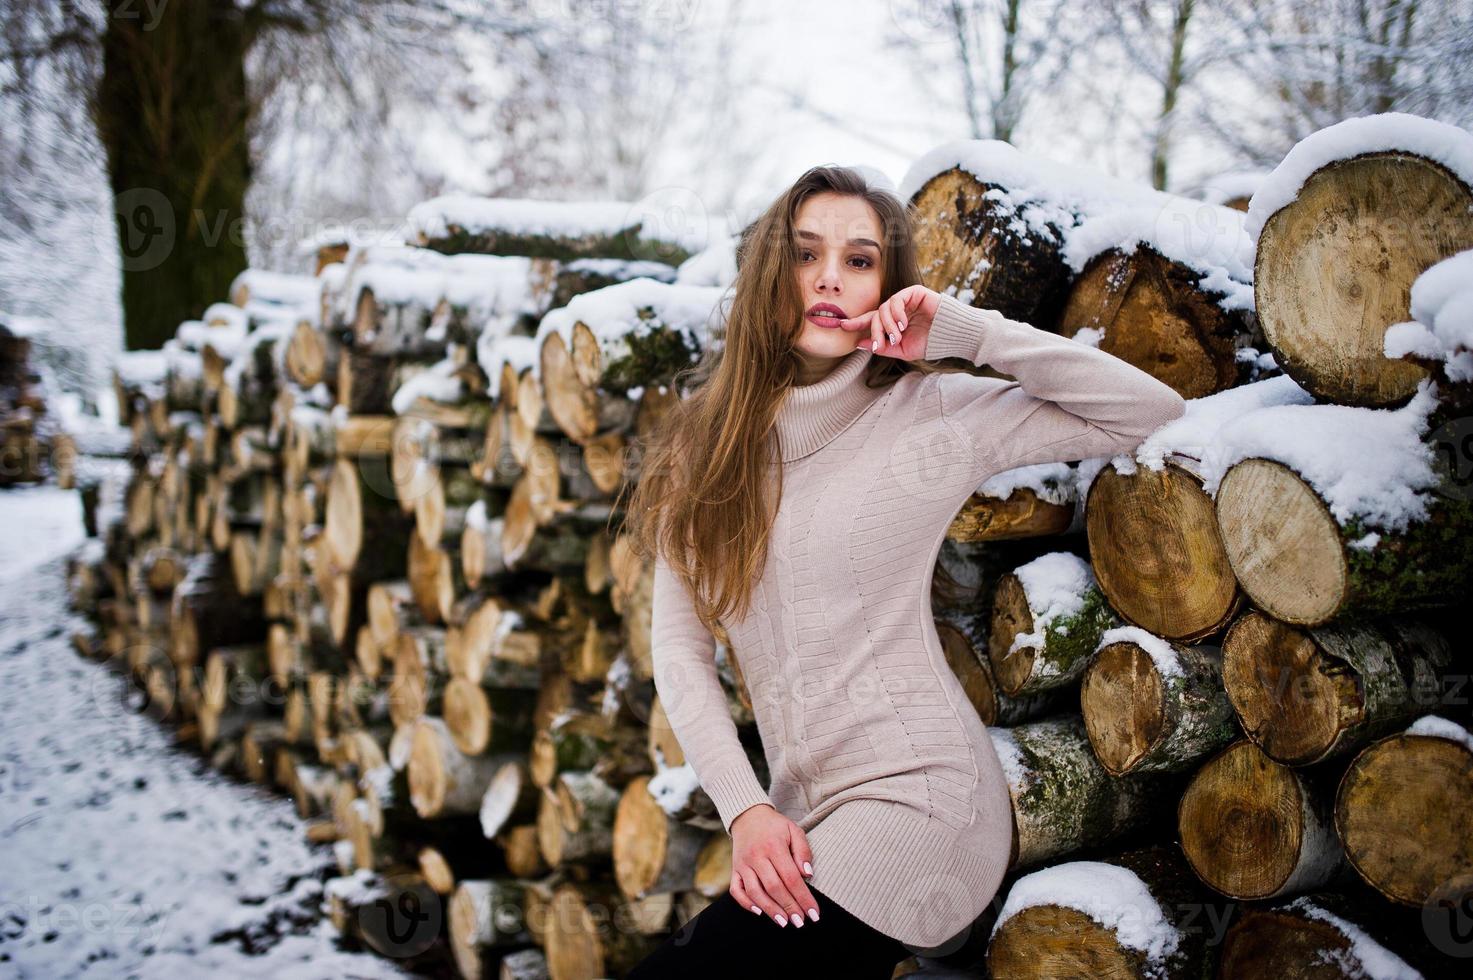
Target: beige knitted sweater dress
x,y
872,746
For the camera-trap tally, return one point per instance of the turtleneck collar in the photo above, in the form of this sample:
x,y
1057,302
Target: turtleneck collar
x,y
812,415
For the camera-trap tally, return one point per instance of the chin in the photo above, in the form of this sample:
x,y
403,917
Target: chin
x,y
821,342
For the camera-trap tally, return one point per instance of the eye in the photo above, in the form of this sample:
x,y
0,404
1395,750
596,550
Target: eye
x,y
803,254
865,259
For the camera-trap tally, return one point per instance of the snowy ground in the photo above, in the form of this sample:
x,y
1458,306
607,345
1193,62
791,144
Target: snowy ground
x,y
120,854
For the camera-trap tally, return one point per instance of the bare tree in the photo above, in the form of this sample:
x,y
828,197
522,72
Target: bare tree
x,y
229,129
1003,53
1321,61
1154,36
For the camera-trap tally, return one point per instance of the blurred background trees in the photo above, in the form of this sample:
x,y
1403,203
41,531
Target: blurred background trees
x,y
235,129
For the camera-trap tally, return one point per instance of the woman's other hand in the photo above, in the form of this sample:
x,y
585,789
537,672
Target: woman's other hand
x,y
899,326
769,861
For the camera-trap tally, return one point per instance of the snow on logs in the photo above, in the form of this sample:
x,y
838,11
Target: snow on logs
x,y
1130,916
561,230
630,335
1328,510
1156,279
1150,705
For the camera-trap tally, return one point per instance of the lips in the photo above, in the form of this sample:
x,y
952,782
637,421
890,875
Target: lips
x,y
815,311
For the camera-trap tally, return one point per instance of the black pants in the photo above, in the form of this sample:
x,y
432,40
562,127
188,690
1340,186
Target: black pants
x,y
726,940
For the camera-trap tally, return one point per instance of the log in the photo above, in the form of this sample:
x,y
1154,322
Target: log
x,y
1298,563
965,649
1157,553
1063,800
577,740
206,611
1335,265
484,233
1306,695
388,913
652,852
1254,829
232,695
1047,618
1327,934
1404,812
1023,513
311,356
483,716
363,509
575,822
511,798
1153,312
1154,706
1132,915
967,244
486,917
592,931
443,781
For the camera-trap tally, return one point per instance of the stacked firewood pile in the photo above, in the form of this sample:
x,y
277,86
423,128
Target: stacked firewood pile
x,y
370,556
33,444
1233,716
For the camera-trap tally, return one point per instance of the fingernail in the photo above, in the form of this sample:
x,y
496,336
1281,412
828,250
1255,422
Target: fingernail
x,y
813,914
807,868
797,920
780,920
756,910
875,346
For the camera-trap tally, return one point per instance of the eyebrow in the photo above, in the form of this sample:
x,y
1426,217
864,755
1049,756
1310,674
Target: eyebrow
x,y
814,236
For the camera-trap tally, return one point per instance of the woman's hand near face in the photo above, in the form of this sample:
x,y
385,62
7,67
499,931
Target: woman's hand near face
x,y
768,854
899,326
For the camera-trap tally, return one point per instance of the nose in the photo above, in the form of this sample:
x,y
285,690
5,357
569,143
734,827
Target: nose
x,y
828,278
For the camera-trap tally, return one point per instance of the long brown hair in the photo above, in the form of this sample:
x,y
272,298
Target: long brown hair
x,y
703,499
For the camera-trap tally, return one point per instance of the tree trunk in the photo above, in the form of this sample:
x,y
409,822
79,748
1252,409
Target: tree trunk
x,y
178,182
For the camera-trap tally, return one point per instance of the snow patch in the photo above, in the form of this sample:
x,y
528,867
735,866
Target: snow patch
x,y
1385,132
1371,958
1162,653
1441,328
1055,586
1365,463
1440,727
1051,482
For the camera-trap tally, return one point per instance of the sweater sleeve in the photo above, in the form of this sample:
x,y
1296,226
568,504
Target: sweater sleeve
x,y
1070,401
684,653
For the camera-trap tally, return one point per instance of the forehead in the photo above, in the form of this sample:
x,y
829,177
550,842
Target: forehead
x,y
836,218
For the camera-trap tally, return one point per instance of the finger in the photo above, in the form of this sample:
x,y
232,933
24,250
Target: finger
x,y
802,853
900,307
739,892
757,892
888,326
858,323
777,886
799,887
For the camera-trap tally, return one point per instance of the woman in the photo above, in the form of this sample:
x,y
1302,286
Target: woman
x,y
798,498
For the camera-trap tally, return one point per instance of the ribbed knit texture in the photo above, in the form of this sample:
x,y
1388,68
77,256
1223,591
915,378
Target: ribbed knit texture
x,y
873,748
